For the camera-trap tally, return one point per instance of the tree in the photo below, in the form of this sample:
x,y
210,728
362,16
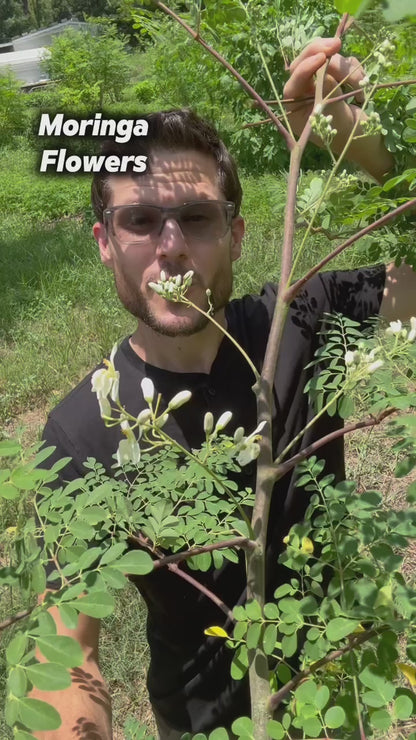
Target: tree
x,y
90,70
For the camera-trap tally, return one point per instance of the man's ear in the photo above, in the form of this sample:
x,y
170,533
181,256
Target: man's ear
x,y
100,236
237,233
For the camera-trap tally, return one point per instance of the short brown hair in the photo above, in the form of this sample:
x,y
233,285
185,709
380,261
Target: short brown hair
x,y
175,130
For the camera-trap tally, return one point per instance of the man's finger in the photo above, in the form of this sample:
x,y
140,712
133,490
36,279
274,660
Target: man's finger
x,y
317,46
347,70
301,81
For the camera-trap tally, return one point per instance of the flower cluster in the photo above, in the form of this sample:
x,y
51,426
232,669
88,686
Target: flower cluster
x,y
246,448
372,125
322,125
172,288
366,362
396,329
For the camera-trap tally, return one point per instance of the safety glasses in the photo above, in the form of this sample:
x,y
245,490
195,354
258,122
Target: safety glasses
x,y
202,220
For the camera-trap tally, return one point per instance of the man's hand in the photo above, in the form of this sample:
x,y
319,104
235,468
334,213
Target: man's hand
x,y
369,152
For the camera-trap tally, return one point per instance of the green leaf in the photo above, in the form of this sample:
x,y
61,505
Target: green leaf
x,y
306,692
113,577
22,735
403,707
253,610
271,611
219,734
61,649
289,645
17,682
321,697
136,563
98,604
374,679
8,491
253,635
334,717
68,615
340,627
9,448
16,648
312,726
243,726
269,639
113,553
48,676
381,719
239,663
38,715
275,730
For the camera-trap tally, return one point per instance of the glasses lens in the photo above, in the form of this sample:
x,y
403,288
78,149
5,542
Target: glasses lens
x,y
135,223
205,220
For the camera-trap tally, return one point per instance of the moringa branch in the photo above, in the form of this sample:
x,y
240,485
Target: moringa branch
x,y
371,421
242,542
294,289
244,84
354,642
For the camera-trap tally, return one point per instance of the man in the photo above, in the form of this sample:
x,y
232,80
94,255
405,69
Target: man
x,y
189,681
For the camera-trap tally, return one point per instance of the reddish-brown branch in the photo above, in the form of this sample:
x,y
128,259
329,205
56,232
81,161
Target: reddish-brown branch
x,y
244,84
293,291
372,421
178,557
203,589
354,642
143,542
15,618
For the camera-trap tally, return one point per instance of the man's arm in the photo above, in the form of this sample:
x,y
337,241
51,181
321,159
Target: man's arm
x,y
85,706
370,153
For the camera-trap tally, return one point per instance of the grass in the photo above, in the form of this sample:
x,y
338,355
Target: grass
x,y
60,316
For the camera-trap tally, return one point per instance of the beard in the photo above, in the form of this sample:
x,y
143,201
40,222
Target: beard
x,y
186,321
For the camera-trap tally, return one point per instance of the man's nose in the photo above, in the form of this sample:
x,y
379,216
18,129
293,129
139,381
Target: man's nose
x,y
171,239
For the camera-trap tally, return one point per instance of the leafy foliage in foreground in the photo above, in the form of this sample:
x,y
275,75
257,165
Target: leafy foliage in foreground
x,y
332,631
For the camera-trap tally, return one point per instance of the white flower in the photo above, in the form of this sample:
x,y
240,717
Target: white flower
x,y
148,389
105,407
349,357
208,422
412,333
222,422
375,366
248,447
249,453
106,381
128,449
179,399
394,327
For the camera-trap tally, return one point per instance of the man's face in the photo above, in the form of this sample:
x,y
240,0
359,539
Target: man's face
x,y
176,178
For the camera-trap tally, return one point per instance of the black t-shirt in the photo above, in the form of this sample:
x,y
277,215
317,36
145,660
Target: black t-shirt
x,y
189,676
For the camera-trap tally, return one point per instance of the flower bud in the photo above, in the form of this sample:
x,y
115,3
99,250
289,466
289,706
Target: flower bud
x,y
144,416
163,276
223,421
148,389
208,422
180,398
